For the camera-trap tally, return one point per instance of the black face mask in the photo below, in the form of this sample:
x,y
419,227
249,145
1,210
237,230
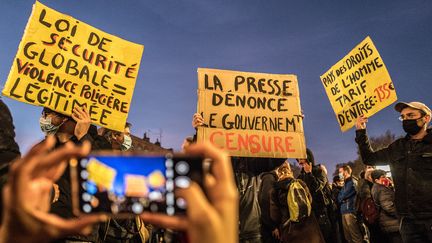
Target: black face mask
x,y
411,127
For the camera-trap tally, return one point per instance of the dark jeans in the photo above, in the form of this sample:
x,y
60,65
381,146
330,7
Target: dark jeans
x,y
416,231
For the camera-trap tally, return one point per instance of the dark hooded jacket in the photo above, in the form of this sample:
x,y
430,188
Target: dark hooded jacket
x,y
411,166
306,231
318,186
9,149
384,199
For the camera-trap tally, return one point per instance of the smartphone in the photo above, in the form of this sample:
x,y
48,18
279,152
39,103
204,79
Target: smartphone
x,y
121,184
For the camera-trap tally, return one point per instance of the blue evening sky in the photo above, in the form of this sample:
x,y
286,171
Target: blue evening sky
x,y
295,37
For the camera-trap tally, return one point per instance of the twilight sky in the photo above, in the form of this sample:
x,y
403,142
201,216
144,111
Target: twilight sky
x,y
294,37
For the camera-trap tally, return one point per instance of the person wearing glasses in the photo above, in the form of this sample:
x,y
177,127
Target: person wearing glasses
x,y
410,160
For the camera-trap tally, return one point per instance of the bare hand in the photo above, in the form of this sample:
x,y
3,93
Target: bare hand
x,y
197,120
82,118
26,196
361,122
307,167
213,219
276,234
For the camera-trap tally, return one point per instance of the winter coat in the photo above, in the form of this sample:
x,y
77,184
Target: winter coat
x,y
411,166
317,184
249,209
363,189
346,197
384,199
306,231
9,149
267,181
322,202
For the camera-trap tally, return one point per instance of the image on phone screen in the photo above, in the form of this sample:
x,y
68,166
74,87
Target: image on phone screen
x,y
132,184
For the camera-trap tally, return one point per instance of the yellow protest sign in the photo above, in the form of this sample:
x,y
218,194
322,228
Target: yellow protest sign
x,y
359,84
135,185
101,174
251,114
62,63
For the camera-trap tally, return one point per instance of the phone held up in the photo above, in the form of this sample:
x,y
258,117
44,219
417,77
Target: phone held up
x,y
121,184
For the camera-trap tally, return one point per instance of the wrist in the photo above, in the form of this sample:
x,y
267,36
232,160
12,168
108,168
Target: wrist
x,y
10,234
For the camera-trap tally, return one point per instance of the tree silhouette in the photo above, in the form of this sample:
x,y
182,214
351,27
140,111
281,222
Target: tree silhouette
x,y
377,143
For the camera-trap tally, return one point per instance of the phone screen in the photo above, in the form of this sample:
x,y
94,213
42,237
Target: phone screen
x,y
131,184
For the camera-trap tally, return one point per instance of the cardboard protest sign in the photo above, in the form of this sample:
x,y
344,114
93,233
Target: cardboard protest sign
x,y
101,174
251,114
62,63
359,84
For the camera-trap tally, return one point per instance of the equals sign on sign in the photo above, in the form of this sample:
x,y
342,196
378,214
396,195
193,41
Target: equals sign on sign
x,y
119,89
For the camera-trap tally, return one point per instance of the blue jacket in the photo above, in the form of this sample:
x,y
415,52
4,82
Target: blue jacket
x,y
347,196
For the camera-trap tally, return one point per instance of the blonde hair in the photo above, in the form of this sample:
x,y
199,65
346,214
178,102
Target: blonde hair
x,y
284,171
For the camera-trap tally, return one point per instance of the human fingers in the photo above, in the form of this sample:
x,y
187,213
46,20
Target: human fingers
x,y
76,116
209,182
84,111
58,158
57,227
21,171
79,110
205,219
81,113
361,122
35,150
165,221
199,209
221,166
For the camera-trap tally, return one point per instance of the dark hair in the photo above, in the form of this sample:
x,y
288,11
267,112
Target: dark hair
x,y
189,139
48,111
376,174
347,168
310,157
128,125
362,174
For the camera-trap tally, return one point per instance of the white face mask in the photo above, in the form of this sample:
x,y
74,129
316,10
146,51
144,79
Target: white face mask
x,y
341,176
47,127
127,143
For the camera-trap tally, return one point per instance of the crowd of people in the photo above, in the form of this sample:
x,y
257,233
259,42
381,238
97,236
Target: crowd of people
x,y
243,199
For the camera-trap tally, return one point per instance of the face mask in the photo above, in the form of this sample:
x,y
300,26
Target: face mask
x,y
411,127
127,143
385,182
341,176
47,127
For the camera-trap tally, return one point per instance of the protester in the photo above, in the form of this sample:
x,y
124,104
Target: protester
x,y
9,149
307,229
336,187
26,216
246,174
346,200
131,230
119,140
186,143
76,129
211,219
268,226
383,196
369,229
315,178
410,160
